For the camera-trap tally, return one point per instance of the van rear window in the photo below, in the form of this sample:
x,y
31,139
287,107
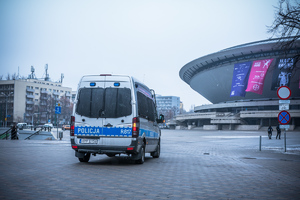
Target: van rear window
x,y
104,103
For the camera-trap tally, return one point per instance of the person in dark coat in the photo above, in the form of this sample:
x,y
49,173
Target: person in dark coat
x,y
278,132
14,133
270,129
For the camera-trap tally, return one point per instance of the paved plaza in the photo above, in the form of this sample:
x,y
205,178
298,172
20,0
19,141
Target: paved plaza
x,y
194,164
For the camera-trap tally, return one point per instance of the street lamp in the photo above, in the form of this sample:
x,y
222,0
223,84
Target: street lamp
x,y
32,118
6,96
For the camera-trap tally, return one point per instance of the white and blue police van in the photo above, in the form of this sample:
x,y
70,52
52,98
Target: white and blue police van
x,y
115,115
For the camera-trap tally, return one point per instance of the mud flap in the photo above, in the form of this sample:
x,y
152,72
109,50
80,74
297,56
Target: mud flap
x,y
79,155
137,156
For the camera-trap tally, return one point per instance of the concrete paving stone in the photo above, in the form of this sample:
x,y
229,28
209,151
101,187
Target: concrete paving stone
x,y
193,165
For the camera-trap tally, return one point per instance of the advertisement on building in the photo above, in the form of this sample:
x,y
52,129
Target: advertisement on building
x,y
282,73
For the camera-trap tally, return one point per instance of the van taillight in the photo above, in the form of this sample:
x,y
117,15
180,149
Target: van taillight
x,y
135,127
72,127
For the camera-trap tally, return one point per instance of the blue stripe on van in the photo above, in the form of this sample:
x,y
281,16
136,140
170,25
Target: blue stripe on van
x,y
149,134
112,132
102,131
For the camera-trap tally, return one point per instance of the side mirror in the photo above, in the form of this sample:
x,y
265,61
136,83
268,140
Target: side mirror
x,y
160,119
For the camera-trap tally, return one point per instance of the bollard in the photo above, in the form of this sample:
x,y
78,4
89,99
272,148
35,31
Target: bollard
x,y
259,143
285,140
60,135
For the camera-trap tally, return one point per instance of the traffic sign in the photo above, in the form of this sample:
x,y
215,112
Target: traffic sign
x,y
284,106
284,126
57,110
285,101
284,117
284,92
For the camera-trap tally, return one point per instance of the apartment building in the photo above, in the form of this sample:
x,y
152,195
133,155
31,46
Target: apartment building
x,y
168,105
33,101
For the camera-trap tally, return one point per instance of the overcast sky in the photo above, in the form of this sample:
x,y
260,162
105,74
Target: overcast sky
x,y
150,40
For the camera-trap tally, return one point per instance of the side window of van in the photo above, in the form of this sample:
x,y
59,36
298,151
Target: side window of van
x,y
104,103
146,107
151,110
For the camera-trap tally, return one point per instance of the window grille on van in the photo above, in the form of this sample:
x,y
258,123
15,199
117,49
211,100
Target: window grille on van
x,y
104,103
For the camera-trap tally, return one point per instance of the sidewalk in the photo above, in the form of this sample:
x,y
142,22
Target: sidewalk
x,y
66,134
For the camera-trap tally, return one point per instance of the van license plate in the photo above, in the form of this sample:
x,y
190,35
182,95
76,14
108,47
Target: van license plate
x,y
88,141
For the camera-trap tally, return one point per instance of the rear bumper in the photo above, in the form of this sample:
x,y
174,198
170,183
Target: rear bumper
x,y
106,149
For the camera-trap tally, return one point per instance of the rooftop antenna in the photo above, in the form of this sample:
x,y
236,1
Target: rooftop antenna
x,y
18,77
47,78
32,75
62,77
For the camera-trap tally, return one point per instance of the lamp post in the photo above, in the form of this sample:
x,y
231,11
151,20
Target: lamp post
x,y
6,96
32,118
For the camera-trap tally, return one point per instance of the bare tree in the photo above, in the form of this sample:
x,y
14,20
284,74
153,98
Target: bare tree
x,y
66,109
286,25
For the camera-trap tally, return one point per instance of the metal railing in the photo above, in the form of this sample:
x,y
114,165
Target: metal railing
x,y
35,133
5,135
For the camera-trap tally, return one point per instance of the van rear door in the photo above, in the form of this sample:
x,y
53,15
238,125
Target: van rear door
x,y
104,106
118,112
90,102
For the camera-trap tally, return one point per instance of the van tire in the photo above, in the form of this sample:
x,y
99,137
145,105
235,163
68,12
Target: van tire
x,y
156,153
86,158
142,159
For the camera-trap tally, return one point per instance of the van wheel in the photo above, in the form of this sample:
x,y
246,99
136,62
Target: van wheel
x,y
156,153
86,158
142,159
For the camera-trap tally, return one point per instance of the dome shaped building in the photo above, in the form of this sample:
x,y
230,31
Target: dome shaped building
x,y
242,83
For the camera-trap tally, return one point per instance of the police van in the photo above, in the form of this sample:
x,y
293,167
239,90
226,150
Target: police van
x,y
115,115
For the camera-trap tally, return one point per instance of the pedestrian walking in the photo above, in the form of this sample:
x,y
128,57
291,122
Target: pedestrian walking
x,y
14,133
270,129
278,132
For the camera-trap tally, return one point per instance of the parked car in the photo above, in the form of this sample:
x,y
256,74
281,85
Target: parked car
x,y
66,127
48,125
21,126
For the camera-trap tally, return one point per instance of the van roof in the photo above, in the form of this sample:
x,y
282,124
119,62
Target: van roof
x,y
92,78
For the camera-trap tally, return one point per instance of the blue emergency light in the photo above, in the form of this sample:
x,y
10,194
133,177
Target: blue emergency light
x,y
116,84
